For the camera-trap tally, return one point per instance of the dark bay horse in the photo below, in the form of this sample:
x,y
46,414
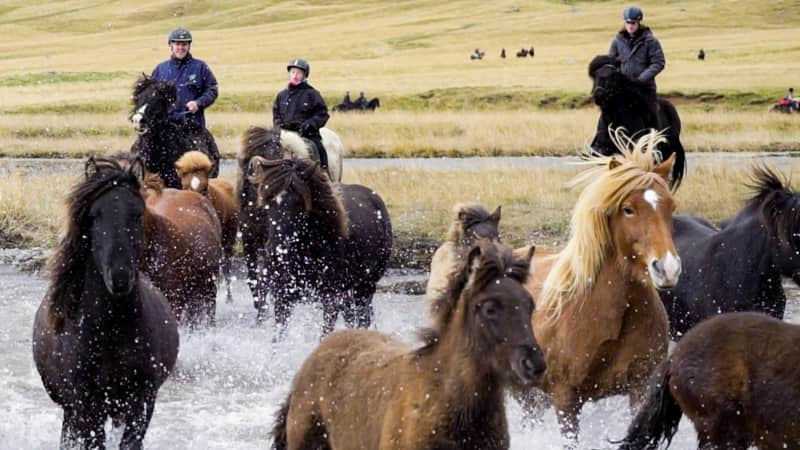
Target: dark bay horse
x,y
471,222
161,142
270,144
736,377
362,389
104,339
599,319
194,169
740,267
621,105
330,242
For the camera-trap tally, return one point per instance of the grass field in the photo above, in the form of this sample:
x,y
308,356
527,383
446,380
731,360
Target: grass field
x,y
66,69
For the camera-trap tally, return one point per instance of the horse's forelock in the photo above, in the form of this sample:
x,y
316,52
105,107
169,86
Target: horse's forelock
x,y
777,204
600,61
466,214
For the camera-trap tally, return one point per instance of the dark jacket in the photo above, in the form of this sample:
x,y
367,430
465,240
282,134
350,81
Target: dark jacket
x,y
641,55
193,81
300,108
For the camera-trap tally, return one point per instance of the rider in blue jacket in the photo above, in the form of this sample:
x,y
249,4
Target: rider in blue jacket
x,y
195,83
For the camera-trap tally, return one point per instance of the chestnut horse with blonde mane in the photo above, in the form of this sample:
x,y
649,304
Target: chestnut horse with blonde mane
x,y
361,389
194,169
182,249
599,319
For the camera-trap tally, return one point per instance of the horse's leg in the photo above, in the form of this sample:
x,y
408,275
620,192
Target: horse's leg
x,y
226,275
363,304
725,427
568,405
137,421
330,311
86,427
283,309
210,310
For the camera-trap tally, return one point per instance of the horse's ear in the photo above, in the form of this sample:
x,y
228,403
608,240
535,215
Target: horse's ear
x,y
613,163
256,167
137,168
665,168
495,216
524,253
474,258
90,168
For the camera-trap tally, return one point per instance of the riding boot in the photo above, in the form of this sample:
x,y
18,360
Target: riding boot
x,y
323,155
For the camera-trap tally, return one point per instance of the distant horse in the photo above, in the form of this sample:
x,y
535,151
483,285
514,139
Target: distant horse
x,y
362,389
472,222
161,142
371,105
271,144
621,105
522,53
194,169
600,322
104,339
735,376
740,267
330,242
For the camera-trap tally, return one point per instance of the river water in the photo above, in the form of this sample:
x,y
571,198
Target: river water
x,y
230,379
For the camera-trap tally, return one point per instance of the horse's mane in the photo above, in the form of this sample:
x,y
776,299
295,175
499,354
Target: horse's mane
x,y
165,88
264,142
600,61
309,181
69,260
605,187
776,203
193,161
629,85
474,273
466,215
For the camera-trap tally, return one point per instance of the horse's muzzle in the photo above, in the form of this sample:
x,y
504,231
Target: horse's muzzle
x,y
666,271
528,365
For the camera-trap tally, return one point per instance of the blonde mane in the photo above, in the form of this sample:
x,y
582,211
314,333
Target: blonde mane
x,y
193,161
294,144
605,185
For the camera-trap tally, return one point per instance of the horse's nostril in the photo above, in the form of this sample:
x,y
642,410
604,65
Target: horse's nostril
x,y
658,267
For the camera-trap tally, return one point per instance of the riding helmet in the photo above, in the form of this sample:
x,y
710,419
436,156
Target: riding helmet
x,y
301,64
179,35
633,14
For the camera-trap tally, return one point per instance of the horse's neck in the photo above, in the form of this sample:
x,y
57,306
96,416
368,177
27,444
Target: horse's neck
x,y
98,308
746,238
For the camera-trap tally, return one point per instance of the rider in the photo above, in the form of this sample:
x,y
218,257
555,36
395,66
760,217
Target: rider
x,y
195,83
361,102
301,108
641,57
346,101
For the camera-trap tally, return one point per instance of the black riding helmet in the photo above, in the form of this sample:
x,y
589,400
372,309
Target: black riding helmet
x,y
632,14
179,35
301,64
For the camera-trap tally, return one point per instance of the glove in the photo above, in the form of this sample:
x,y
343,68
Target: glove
x,y
306,127
292,126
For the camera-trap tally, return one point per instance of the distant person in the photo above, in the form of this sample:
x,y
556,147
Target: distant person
x,y
503,53
790,95
195,84
361,102
346,101
301,108
701,55
530,52
641,59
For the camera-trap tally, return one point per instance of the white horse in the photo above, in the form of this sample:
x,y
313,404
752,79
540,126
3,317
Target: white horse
x,y
299,148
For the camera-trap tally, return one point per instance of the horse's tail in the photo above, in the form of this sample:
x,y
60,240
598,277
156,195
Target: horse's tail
x,y
674,138
658,416
279,441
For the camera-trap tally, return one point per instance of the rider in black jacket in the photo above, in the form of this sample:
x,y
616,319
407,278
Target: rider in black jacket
x,y
301,108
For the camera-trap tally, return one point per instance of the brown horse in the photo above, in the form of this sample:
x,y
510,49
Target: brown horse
x,y
599,318
361,389
194,169
472,222
737,377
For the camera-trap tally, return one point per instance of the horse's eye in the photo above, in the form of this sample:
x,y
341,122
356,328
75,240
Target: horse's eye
x,y
628,211
490,309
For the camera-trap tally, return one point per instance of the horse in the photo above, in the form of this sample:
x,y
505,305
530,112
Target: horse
x,y
161,142
522,53
194,169
373,104
735,376
621,105
740,267
362,389
326,241
271,144
599,319
472,222
104,338
182,251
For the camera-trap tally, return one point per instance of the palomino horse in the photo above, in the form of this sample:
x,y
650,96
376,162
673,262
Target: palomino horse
x,y
271,144
362,389
104,339
193,169
736,377
160,141
738,268
599,319
327,241
472,222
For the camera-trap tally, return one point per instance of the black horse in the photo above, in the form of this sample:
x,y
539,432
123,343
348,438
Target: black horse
x,y
740,267
161,142
104,339
370,105
622,105
330,242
